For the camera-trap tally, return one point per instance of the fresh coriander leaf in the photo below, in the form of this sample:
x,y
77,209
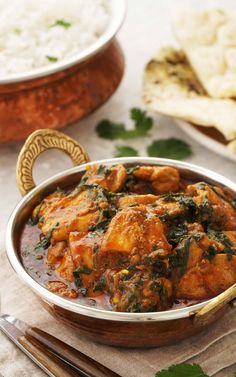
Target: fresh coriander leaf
x,y
182,370
169,148
52,59
100,285
143,123
62,23
125,151
111,130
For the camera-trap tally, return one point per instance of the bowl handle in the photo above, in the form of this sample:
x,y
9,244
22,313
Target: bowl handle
x,y
204,315
38,142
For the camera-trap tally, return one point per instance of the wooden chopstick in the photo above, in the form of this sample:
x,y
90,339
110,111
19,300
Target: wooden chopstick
x,y
69,354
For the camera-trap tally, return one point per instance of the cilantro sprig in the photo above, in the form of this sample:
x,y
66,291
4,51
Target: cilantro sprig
x,y
182,370
111,130
62,23
169,148
125,151
52,59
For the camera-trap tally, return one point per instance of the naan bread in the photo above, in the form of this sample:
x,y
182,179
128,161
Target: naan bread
x,y
172,88
208,38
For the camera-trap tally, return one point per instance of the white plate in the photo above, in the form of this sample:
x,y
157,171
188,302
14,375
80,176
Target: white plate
x,y
206,140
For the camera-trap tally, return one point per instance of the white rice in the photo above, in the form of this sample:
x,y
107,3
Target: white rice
x,y
35,33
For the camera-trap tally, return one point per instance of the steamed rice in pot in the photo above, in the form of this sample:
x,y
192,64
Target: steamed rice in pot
x,y
38,33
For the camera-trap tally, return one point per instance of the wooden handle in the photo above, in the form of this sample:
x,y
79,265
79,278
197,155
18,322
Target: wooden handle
x,y
38,142
83,362
54,365
204,315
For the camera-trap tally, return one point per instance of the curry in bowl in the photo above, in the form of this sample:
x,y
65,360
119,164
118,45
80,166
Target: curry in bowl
x,y
133,239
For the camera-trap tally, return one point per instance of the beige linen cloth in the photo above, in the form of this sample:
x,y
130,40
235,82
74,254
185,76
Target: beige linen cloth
x,y
214,350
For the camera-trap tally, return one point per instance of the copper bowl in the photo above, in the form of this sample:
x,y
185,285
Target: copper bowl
x,y
120,329
61,93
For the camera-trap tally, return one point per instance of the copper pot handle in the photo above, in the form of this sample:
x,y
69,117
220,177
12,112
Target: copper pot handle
x,y
38,142
204,315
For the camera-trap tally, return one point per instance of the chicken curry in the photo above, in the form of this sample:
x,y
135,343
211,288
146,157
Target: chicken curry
x,y
133,239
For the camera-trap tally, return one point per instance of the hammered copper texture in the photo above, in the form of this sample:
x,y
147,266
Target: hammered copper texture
x,y
130,334
62,98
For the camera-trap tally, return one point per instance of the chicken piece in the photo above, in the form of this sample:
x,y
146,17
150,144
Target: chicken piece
x,y
167,210
73,213
195,228
83,249
131,200
163,179
212,207
193,249
191,285
207,271
138,291
46,206
226,239
220,273
55,253
111,178
232,236
132,235
66,267
61,289
208,278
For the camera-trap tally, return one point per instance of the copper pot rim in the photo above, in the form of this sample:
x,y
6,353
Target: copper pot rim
x,y
75,307
118,13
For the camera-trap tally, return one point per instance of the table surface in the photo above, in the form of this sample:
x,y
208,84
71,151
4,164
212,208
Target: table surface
x,y
146,28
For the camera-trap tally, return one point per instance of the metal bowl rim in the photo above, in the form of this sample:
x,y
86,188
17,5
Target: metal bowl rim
x,y
83,309
118,13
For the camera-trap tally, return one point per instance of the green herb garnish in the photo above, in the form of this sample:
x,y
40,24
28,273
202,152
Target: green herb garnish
x,y
131,169
77,279
52,59
62,23
84,270
161,290
33,221
100,285
43,243
111,130
182,370
100,226
125,151
169,148
221,237
210,253
44,240
83,291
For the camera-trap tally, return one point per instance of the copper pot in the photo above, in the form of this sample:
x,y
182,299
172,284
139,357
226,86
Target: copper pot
x,y
62,93
120,329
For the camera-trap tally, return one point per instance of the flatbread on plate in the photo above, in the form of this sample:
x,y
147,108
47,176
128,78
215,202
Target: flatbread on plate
x,y
208,38
172,88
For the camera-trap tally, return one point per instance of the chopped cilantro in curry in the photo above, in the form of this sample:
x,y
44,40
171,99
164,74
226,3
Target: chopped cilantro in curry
x,y
133,239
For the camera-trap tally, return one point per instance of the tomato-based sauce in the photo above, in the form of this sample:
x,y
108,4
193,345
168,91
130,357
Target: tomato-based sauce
x,y
134,240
